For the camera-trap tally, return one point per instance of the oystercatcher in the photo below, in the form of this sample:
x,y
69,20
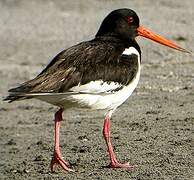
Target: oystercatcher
x,y
97,74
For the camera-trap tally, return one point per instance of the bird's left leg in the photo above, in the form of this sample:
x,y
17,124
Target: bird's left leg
x,y
57,158
106,133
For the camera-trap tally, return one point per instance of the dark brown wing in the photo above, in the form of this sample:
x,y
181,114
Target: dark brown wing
x,y
80,64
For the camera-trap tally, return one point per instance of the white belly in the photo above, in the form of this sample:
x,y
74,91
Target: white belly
x,y
106,101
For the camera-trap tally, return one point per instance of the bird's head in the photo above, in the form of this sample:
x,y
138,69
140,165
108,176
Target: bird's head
x,y
125,24
122,23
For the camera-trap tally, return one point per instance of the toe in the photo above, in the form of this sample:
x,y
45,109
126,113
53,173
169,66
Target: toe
x,y
57,160
120,165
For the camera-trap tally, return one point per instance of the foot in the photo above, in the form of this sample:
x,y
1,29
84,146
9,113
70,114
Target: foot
x,y
120,165
57,160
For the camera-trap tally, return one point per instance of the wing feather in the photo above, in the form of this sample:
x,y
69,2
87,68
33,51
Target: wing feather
x,y
72,70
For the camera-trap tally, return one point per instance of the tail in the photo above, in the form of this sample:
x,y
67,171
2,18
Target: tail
x,y
18,93
16,97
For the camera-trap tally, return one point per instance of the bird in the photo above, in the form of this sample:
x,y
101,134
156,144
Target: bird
x,y
98,74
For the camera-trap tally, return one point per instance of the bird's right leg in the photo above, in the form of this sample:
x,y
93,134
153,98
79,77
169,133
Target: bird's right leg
x,y
106,133
57,158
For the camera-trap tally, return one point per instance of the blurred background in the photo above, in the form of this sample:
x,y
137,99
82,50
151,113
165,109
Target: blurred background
x,y
32,32
153,129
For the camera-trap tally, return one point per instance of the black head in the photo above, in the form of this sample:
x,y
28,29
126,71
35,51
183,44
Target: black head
x,y
122,23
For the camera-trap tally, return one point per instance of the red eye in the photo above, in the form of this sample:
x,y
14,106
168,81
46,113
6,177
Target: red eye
x,y
129,19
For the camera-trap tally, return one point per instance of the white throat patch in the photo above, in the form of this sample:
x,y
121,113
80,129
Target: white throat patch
x,y
130,50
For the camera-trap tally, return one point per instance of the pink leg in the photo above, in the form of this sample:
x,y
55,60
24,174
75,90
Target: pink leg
x,y
57,159
106,133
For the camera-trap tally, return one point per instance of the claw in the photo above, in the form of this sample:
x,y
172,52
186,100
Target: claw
x,y
57,160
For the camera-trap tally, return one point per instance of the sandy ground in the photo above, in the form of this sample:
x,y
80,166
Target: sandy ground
x,y
154,129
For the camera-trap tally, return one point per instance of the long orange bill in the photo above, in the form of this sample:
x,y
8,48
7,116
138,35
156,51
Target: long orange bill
x,y
142,31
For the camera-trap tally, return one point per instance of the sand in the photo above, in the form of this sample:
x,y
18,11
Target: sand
x,y
154,129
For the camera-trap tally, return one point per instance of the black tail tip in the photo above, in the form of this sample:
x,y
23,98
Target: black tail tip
x,y
10,99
